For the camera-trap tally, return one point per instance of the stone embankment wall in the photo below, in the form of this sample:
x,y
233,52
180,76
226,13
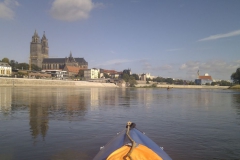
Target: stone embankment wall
x,y
42,82
185,86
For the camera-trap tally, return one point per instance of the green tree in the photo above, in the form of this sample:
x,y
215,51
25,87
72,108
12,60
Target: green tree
x,y
135,76
225,83
23,66
236,76
214,83
179,82
127,71
81,74
148,79
132,81
126,77
35,67
14,64
106,75
169,80
158,79
154,85
191,83
6,60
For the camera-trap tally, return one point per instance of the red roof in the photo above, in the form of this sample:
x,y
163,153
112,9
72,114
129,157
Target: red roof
x,y
110,71
73,69
205,77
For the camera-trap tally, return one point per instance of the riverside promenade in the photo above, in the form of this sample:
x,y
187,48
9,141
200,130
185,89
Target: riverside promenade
x,y
24,82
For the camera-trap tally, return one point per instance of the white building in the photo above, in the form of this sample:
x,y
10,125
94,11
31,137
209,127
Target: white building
x,y
5,69
56,73
148,75
91,73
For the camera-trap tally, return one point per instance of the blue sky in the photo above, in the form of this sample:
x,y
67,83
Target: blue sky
x,y
164,38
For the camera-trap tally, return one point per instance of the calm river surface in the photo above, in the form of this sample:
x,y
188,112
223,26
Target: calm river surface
x,y
73,123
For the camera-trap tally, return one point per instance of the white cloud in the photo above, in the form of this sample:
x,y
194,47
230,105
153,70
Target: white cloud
x,y
148,66
190,66
72,10
217,68
218,36
164,67
6,9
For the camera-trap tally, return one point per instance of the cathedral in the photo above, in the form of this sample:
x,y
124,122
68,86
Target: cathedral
x,y
39,56
60,63
38,49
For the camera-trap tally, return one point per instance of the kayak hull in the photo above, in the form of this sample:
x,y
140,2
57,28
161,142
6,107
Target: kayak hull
x,y
122,139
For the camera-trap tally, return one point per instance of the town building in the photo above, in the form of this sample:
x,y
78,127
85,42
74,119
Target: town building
x,y
72,70
148,76
5,69
206,79
91,73
110,73
143,77
39,75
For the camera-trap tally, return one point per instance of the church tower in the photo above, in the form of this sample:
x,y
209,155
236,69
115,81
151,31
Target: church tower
x,y
38,50
45,48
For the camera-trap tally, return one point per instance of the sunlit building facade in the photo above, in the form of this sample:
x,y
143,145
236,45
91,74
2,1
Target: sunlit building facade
x,y
91,73
5,69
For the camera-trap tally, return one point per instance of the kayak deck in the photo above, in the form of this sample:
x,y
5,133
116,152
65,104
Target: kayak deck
x,y
122,144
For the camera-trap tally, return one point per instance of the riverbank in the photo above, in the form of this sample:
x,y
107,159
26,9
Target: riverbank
x,y
235,87
182,86
62,83
17,82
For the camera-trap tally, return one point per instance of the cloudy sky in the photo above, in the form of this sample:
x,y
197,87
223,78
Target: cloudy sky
x,y
164,38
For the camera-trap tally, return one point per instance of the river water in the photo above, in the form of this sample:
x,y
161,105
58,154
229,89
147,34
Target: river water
x,y
73,123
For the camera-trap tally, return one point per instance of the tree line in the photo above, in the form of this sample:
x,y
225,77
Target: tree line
x,y
236,76
20,66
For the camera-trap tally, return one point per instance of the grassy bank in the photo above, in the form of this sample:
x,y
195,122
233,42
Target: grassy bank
x,y
235,87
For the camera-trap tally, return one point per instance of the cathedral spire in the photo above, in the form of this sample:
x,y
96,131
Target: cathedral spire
x,y
44,36
35,37
44,42
35,33
70,54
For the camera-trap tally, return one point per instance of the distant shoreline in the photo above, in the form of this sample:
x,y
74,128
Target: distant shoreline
x,y
24,82
182,86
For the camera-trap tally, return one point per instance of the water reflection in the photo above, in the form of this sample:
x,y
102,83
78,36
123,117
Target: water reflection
x,y
204,97
5,100
45,103
38,120
68,123
236,102
94,98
